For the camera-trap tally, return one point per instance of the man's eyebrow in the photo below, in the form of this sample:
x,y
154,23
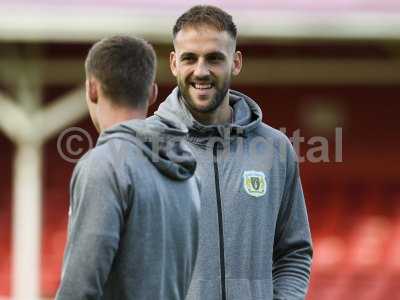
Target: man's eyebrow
x,y
216,54
187,55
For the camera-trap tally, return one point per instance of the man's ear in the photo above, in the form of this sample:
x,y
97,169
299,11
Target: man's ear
x,y
153,94
172,63
237,63
92,88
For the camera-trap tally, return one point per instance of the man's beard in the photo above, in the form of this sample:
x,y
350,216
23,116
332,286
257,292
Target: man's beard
x,y
215,102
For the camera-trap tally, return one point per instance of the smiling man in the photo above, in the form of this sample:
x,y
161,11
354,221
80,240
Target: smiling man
x,y
255,239
203,63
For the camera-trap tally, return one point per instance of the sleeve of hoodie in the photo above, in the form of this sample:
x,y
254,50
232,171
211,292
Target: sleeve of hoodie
x,y
292,246
95,222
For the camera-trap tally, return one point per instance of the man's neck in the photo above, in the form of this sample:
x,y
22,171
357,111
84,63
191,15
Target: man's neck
x,y
115,115
222,115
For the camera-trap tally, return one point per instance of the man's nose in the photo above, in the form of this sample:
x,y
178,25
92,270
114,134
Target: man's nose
x,y
201,69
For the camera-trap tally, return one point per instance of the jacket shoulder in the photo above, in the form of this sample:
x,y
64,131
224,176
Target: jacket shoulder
x,y
268,132
280,141
115,156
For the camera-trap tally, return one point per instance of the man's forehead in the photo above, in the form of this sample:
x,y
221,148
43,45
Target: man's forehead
x,y
202,38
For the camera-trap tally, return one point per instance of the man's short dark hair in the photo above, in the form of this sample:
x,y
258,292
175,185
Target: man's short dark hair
x,y
206,15
125,67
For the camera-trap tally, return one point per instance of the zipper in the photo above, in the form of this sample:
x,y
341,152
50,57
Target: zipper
x,y
220,223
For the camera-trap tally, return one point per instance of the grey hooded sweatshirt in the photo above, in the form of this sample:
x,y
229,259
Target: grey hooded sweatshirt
x,y
255,239
134,213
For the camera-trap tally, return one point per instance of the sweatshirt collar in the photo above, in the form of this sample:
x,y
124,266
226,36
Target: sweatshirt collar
x,y
247,115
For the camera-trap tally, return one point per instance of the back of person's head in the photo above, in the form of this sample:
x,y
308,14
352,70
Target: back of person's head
x,y
208,15
125,67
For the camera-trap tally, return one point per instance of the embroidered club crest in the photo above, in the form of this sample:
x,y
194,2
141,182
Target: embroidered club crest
x,y
254,183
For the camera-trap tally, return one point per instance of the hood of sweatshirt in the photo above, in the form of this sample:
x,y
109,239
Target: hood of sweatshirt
x,y
162,143
247,115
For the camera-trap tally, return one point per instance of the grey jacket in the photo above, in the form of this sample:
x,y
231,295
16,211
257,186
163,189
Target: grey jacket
x,y
255,239
134,213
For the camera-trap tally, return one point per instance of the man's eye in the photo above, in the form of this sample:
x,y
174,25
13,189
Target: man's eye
x,y
187,59
214,59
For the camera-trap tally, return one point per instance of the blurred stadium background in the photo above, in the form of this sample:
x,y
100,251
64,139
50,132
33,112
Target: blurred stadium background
x,y
312,65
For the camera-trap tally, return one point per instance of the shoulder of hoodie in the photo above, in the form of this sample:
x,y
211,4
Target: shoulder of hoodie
x,y
111,157
280,141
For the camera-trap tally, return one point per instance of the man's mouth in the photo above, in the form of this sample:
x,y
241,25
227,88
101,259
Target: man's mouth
x,y
201,86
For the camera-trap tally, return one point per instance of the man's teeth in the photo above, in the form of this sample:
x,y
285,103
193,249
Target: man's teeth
x,y
202,86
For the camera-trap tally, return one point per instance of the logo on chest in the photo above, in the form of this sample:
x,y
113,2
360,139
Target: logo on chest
x,y
254,183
